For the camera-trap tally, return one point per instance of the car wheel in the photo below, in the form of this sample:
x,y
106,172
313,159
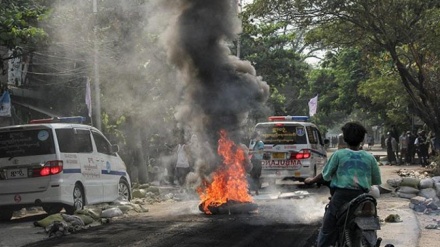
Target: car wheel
x,y
124,190
53,209
78,200
5,214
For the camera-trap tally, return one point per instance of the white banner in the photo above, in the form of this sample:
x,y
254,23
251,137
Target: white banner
x,y
5,104
313,105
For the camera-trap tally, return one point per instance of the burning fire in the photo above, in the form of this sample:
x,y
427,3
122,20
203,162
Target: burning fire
x,y
229,181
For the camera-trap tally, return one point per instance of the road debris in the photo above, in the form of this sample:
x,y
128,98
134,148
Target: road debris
x,y
393,218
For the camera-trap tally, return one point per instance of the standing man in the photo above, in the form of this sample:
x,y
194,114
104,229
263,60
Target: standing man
x,y
391,145
257,149
422,146
411,148
403,143
182,165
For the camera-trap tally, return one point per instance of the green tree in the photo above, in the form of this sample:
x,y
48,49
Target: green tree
x,y
19,31
274,48
405,30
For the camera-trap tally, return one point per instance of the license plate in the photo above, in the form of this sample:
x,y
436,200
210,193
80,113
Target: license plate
x,y
278,155
16,173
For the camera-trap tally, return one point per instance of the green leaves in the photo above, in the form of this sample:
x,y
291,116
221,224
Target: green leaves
x,y
19,23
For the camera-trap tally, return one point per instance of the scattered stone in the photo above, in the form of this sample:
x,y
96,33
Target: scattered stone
x,y
408,190
426,183
111,212
393,218
418,200
144,186
436,179
406,195
138,193
421,208
385,188
437,188
169,196
428,193
432,226
74,220
394,182
57,229
410,182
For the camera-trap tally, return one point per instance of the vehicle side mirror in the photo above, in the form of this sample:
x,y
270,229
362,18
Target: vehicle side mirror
x,y
326,141
115,148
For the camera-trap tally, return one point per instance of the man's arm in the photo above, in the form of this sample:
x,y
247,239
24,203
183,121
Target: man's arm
x,y
313,180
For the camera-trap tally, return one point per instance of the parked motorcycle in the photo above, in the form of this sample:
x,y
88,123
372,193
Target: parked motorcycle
x,y
357,222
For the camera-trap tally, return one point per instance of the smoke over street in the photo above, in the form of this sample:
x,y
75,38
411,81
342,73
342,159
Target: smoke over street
x,y
220,89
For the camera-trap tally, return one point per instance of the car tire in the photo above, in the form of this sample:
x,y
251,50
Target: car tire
x,y
6,214
124,190
78,200
53,209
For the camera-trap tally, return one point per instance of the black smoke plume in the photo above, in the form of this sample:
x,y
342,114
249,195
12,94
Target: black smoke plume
x,y
219,89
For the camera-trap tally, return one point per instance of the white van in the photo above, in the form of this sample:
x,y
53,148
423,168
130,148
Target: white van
x,y
294,149
58,165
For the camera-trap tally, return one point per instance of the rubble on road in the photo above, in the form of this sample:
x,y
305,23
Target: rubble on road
x,y
393,218
422,190
60,224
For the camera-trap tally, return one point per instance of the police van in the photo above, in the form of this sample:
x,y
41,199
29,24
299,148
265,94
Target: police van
x,y
294,149
58,163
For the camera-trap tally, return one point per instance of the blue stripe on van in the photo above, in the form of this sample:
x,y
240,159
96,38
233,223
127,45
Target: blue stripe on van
x,y
113,172
73,170
76,170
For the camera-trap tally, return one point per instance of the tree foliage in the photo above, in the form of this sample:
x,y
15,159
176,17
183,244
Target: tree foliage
x,y
19,31
274,47
405,30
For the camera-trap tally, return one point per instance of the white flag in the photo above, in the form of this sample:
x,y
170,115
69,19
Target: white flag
x,y
313,105
88,97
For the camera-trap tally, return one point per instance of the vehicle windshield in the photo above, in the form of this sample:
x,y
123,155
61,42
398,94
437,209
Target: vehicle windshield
x,y
285,134
26,143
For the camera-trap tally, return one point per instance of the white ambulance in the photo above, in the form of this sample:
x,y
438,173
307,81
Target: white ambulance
x,y
294,149
56,164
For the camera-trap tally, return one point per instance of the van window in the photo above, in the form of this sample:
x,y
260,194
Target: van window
x,y
285,134
102,145
320,137
311,132
74,140
26,143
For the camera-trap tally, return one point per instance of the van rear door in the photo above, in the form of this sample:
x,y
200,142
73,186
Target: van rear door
x,y
23,152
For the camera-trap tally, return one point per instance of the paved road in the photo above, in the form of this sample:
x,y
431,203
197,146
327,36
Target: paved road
x,y
281,221
284,218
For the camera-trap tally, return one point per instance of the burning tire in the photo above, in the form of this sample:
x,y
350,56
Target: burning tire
x,y
230,207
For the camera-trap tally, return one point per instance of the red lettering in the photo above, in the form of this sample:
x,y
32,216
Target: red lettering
x,y
290,164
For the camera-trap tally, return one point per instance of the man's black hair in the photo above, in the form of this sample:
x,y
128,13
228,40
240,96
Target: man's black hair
x,y
354,133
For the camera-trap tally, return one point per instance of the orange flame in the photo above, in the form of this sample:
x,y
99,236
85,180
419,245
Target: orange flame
x,y
229,182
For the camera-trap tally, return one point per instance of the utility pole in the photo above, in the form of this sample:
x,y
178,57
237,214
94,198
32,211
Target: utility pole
x,y
239,9
96,69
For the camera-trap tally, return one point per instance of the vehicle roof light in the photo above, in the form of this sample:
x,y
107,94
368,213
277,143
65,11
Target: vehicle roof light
x,y
289,118
77,119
